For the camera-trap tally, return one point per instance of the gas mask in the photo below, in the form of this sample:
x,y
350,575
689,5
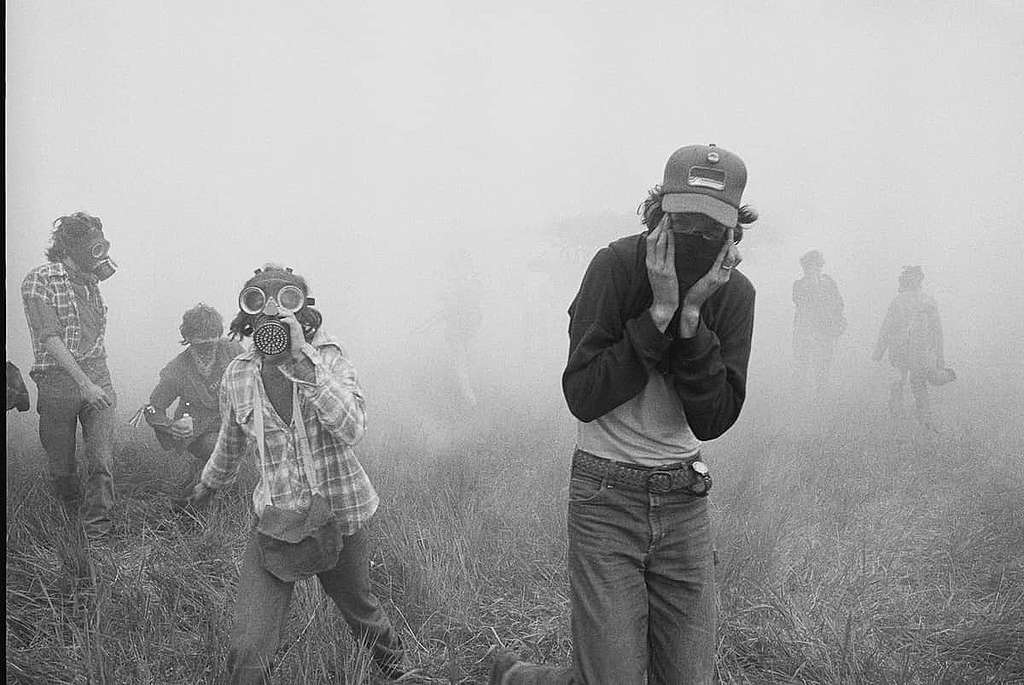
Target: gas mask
x,y
265,301
92,256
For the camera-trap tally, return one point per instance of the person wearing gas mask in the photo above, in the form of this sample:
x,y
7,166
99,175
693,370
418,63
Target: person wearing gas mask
x,y
659,340
193,379
67,320
295,398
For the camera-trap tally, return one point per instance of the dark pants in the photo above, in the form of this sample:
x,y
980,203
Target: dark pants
x,y
261,610
641,575
61,409
200,449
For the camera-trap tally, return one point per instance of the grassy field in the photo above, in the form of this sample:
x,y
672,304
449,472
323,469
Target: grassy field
x,y
853,548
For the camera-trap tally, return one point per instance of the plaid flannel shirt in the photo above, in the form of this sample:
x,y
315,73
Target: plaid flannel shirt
x,y
51,284
332,411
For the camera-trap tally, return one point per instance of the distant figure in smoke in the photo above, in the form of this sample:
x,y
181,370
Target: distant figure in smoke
x,y
659,340
461,315
193,379
912,335
17,393
67,319
817,322
295,397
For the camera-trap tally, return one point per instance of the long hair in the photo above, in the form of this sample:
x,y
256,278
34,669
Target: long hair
x,y
69,231
649,210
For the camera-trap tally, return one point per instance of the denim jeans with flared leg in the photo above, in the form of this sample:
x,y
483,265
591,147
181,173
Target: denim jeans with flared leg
x,y
641,575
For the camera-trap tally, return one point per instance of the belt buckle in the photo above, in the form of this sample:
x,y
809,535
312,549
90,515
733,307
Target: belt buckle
x,y
659,482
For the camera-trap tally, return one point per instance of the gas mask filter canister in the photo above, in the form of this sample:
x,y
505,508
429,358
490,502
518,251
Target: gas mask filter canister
x,y
270,336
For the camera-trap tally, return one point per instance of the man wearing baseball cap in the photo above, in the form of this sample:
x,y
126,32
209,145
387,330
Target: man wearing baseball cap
x,y
659,339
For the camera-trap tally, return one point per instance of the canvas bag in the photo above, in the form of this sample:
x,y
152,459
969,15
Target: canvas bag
x,y
295,544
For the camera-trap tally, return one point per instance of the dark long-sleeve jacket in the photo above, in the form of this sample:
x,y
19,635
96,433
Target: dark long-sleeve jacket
x,y
614,344
182,380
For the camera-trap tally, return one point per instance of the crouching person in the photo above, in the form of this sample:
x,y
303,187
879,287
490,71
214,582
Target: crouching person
x,y
295,396
193,379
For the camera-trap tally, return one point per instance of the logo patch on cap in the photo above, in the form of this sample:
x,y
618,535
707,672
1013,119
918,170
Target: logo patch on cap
x,y
704,177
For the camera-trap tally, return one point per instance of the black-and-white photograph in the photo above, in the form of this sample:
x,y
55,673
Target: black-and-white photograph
x,y
530,343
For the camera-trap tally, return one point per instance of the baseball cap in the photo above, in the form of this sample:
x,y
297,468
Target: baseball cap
x,y
705,179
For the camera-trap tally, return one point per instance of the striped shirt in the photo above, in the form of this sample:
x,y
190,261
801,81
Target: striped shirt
x,y
332,411
50,285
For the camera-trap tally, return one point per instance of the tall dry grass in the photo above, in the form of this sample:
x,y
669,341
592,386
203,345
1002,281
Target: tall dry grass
x,y
852,547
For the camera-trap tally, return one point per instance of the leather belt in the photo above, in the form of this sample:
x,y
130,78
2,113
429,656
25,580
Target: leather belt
x,y
682,476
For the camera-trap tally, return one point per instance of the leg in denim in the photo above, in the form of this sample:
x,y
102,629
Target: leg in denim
x,y
261,608
58,428
609,539
681,591
98,432
348,585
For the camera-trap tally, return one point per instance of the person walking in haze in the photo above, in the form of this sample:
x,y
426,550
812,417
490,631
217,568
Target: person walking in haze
x,y
193,379
295,397
659,340
67,320
817,322
912,335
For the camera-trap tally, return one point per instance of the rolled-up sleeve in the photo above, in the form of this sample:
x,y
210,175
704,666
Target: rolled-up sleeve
x,y
334,392
222,467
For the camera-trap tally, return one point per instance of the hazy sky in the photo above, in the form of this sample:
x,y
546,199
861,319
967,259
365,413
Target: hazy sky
x,y
366,143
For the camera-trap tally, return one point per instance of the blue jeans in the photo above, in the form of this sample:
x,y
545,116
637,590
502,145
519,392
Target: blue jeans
x,y
261,610
642,587
61,408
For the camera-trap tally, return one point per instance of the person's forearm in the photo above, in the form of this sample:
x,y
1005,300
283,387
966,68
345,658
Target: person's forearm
x,y
55,346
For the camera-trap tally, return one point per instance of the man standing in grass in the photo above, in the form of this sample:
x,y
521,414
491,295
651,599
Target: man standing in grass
x,y
296,399
659,339
67,320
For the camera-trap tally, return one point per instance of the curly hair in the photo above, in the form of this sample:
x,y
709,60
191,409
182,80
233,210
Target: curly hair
x,y
69,231
202,322
650,213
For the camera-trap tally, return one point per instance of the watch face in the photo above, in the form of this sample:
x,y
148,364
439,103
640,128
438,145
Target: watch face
x,y
700,467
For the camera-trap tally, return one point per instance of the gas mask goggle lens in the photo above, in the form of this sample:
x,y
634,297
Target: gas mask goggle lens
x,y
289,299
